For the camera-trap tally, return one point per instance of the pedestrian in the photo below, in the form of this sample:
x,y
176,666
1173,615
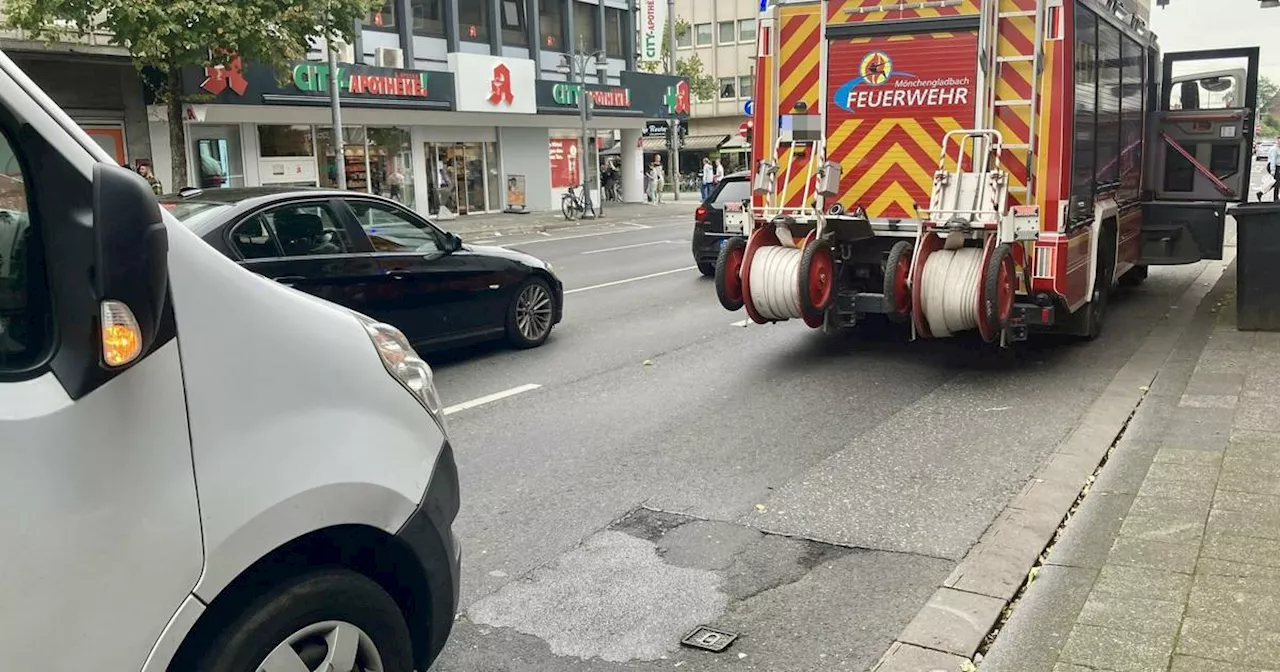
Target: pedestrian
x,y
1273,167
145,171
708,178
719,164
657,179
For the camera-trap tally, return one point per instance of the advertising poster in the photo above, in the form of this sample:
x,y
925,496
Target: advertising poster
x,y
653,23
515,192
564,163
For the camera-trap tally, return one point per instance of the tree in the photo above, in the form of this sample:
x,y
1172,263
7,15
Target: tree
x,y
168,35
702,85
1268,124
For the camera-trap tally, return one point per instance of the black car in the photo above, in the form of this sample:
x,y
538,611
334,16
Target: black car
x,y
377,257
708,225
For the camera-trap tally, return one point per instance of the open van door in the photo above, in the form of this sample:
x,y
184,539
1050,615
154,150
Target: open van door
x,y
1200,154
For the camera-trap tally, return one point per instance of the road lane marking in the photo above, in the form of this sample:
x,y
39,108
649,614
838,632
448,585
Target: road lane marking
x,y
628,247
633,228
636,279
490,398
739,323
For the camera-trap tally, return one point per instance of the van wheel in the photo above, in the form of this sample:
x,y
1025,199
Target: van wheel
x,y
330,620
1134,276
707,268
529,316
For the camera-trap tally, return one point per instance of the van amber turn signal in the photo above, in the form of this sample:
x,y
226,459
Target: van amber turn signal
x,y
121,337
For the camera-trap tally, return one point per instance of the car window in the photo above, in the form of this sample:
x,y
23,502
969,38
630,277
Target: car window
x,y
192,213
25,305
732,191
391,230
294,230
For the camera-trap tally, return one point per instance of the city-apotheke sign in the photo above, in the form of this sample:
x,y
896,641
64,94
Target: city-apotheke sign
x,y
307,83
638,94
564,97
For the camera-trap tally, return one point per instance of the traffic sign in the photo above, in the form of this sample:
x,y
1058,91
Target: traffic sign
x,y
746,107
744,129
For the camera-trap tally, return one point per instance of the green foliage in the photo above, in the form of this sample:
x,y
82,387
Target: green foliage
x,y
168,35
1267,91
701,85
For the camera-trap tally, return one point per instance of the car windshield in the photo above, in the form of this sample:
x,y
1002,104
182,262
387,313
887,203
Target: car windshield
x,y
191,213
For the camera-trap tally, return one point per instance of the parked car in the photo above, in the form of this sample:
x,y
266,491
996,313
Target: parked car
x,y
709,219
201,470
375,256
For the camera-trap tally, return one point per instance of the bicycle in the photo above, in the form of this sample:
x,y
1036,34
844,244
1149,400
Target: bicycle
x,y
573,206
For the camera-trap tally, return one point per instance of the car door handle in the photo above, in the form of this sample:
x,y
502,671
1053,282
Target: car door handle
x,y
290,279
399,274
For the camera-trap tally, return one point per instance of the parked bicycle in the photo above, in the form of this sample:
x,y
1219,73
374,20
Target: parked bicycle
x,y
573,206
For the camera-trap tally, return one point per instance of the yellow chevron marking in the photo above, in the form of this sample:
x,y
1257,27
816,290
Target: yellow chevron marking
x,y
1004,88
895,156
842,133
902,38
860,40
1009,6
796,40
806,67
897,195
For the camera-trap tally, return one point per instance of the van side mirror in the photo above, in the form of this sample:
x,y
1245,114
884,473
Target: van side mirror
x,y
131,248
1189,93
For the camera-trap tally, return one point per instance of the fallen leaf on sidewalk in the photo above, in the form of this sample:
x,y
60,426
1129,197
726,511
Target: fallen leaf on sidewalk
x,y
648,362
968,666
760,508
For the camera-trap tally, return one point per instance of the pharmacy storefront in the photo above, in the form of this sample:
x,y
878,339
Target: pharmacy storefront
x,y
469,140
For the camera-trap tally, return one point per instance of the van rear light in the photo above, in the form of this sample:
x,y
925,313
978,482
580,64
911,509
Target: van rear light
x,y
121,335
700,215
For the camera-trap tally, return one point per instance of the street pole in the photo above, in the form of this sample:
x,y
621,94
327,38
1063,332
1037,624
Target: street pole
x,y
580,65
339,152
673,131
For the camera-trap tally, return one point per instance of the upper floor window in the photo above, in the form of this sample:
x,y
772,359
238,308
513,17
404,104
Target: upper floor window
x,y
728,88
428,17
513,23
384,17
702,33
614,25
551,24
728,32
684,38
585,27
747,30
473,21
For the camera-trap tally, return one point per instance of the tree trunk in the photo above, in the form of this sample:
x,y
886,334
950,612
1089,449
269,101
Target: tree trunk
x,y
177,129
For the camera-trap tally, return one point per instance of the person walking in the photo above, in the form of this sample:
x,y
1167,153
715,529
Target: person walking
x,y
719,165
1273,167
657,178
145,171
708,178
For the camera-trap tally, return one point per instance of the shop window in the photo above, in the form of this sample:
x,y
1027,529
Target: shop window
x,y
746,84
384,17
614,23
513,24
551,24
585,27
284,141
428,17
702,32
216,156
391,164
353,162
728,88
747,30
473,21
728,32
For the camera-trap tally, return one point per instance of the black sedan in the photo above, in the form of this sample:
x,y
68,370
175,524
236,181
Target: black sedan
x,y
732,193
379,258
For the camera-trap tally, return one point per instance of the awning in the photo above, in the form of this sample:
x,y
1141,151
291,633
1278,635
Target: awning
x,y
736,145
691,143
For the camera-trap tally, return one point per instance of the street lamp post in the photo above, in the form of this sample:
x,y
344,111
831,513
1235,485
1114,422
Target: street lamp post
x,y
575,65
335,105
673,128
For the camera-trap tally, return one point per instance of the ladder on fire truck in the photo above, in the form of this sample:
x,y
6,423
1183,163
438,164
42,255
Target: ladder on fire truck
x,y
1012,60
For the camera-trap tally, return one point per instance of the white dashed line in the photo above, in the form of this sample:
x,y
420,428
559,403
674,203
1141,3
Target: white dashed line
x,y
490,398
628,247
636,279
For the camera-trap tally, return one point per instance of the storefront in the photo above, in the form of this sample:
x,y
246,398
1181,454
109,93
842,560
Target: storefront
x,y
477,138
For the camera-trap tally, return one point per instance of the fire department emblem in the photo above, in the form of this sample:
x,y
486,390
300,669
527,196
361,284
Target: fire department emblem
x,y
876,68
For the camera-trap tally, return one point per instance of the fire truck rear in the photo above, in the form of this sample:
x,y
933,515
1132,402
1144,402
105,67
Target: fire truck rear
x,y
995,166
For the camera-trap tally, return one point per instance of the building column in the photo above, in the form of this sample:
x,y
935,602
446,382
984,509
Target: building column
x,y
452,30
495,26
404,27
632,166
570,41
629,34
532,10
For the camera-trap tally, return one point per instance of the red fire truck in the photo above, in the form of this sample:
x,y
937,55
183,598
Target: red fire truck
x,y
996,166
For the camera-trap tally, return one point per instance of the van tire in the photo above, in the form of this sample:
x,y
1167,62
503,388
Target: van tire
x,y
311,598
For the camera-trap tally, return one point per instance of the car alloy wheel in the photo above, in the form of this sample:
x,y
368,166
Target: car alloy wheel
x,y
328,646
533,312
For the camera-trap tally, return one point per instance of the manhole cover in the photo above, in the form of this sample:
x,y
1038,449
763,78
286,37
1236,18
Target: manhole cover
x,y
706,638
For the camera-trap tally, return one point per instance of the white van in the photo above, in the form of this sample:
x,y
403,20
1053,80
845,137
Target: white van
x,y
200,470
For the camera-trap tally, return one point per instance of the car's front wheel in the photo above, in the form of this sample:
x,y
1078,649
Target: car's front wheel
x,y
529,318
331,620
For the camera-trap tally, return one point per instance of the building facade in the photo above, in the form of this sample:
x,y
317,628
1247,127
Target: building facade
x,y
454,107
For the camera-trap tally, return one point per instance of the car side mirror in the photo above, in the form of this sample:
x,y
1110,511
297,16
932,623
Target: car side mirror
x,y
131,273
453,241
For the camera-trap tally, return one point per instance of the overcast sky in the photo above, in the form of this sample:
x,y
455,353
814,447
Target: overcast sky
x,y
1189,25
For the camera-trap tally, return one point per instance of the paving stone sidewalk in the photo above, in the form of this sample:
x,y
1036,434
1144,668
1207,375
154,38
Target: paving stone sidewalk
x,y
614,213
1172,561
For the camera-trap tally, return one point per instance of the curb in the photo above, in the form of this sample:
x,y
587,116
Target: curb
x,y
951,627
518,227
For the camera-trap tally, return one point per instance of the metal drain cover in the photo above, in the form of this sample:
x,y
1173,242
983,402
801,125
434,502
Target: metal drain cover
x,y
709,639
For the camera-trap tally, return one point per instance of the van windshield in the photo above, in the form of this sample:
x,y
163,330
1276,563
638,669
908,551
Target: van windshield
x,y
191,213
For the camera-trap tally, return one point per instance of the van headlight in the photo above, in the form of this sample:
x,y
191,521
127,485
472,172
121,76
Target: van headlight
x,y
404,364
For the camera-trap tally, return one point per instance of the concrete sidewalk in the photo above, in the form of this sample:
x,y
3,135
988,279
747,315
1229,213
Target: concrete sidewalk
x,y
1172,560
509,224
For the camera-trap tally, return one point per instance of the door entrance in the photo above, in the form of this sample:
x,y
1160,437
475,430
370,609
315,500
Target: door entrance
x,y
463,177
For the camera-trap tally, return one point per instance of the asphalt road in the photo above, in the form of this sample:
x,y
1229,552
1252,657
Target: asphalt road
x,y
656,466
